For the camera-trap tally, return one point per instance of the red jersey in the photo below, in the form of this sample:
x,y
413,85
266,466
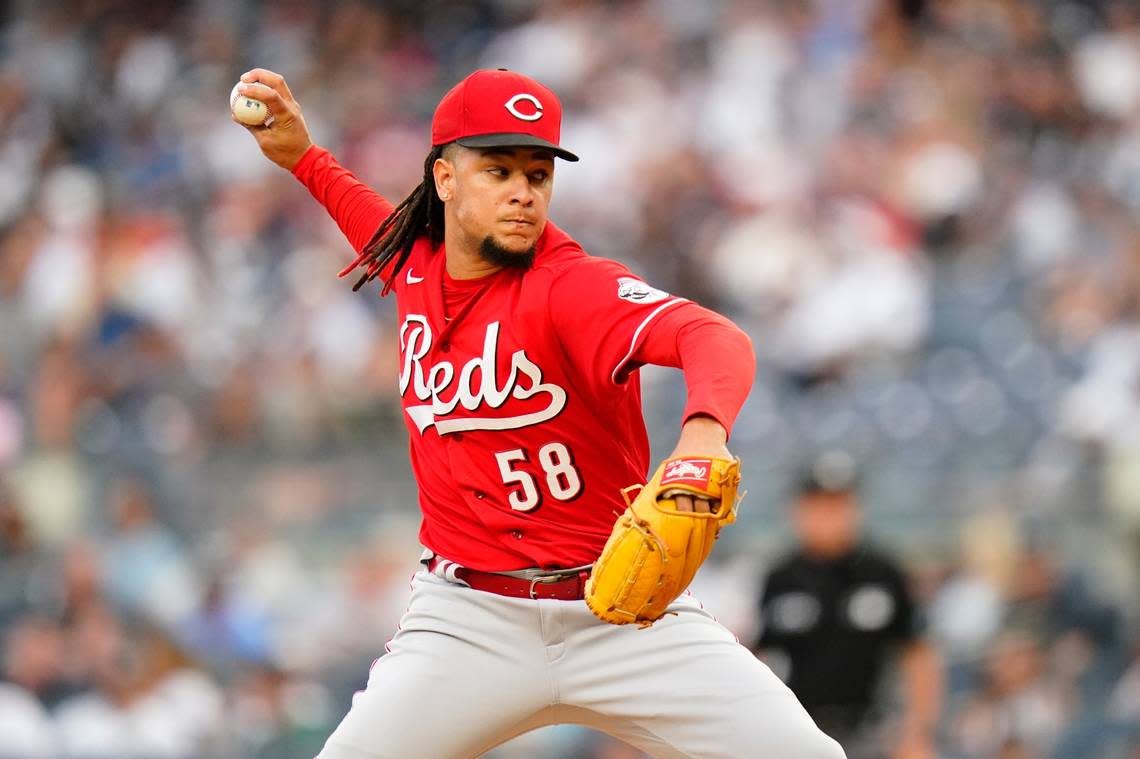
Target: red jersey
x,y
521,396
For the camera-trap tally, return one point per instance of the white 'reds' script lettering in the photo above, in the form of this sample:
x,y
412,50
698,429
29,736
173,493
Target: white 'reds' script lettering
x,y
431,384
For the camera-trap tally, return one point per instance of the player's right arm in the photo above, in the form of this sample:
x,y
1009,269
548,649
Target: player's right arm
x,y
356,208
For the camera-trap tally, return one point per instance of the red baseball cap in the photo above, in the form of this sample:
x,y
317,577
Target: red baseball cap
x,y
499,108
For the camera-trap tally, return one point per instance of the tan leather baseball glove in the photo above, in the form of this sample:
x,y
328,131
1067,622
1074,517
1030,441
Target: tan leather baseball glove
x,y
654,550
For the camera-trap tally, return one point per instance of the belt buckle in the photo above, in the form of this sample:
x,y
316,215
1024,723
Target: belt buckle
x,y
559,575
545,580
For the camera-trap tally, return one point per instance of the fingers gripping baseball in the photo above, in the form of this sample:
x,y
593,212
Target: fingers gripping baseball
x,y
284,137
701,436
271,79
687,503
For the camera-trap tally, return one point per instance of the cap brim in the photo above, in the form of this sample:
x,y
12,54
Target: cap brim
x,y
811,483
514,140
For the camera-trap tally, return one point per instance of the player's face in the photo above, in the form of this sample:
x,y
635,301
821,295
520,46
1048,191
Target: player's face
x,y
498,197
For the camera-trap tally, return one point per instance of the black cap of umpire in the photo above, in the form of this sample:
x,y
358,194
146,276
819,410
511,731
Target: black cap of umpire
x,y
832,472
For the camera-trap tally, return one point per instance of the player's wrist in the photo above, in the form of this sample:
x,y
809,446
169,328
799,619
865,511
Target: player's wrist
x,y
704,429
291,161
702,436
706,423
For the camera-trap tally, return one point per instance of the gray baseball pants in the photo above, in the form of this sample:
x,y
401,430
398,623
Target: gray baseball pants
x,y
469,670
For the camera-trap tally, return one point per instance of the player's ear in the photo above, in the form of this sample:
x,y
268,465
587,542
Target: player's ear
x,y
443,171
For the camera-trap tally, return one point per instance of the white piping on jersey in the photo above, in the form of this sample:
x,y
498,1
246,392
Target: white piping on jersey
x,y
637,334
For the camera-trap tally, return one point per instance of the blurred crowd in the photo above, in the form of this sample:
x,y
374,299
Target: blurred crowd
x,y
926,214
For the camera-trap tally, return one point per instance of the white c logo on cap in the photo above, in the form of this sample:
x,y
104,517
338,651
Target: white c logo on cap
x,y
530,98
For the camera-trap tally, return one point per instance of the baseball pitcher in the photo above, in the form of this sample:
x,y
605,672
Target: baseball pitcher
x,y
554,574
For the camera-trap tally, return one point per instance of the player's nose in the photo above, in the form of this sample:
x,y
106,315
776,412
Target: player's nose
x,y
522,193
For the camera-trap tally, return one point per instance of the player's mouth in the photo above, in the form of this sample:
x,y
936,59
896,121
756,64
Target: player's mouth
x,y
518,223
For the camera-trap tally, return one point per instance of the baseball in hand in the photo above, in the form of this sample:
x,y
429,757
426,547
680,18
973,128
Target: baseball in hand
x,y
247,110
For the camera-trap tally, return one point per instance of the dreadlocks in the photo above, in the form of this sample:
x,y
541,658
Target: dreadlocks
x,y
418,214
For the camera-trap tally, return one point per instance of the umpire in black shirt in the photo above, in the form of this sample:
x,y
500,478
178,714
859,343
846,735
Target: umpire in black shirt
x,y
835,611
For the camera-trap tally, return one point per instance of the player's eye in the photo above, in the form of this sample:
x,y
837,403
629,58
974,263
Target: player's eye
x,y
498,171
539,176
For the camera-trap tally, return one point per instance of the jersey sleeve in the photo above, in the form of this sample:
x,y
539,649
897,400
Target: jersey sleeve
x,y
715,355
601,312
355,207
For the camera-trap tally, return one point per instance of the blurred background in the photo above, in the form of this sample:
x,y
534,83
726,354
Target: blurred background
x,y
925,213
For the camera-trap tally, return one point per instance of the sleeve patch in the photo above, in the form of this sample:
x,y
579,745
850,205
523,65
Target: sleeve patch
x,y
636,291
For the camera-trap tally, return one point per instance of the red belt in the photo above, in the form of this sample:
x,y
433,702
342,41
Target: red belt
x,y
555,584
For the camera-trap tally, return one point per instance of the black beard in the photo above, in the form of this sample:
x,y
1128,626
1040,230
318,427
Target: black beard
x,y
494,253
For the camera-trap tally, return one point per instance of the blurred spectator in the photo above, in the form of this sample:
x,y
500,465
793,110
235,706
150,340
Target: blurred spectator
x,y
835,611
965,615
146,701
144,568
33,679
1124,705
1020,707
35,659
50,480
79,583
971,607
18,557
225,632
275,715
27,729
355,611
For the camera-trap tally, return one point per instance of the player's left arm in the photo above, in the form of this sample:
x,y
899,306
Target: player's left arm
x,y
610,322
719,364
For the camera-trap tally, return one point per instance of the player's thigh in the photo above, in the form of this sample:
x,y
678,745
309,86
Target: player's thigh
x,y
686,688
457,680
